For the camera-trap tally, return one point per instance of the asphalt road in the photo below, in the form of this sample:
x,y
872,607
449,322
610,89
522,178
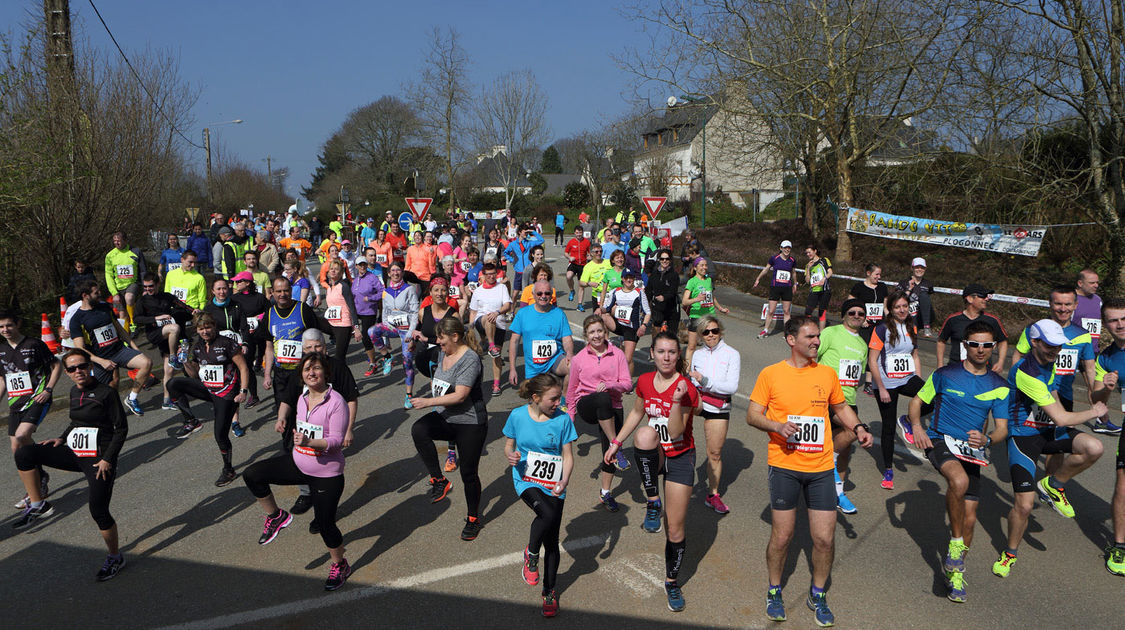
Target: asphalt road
x,y
194,562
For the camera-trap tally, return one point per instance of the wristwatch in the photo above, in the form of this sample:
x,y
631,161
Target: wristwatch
x,y
244,391
861,425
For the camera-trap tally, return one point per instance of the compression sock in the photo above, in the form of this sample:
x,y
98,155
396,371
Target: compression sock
x,y
129,310
673,558
647,462
226,460
836,476
1055,483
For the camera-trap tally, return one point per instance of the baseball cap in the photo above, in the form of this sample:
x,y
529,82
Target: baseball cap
x,y
370,219
974,288
346,242
244,275
628,273
361,261
786,244
1048,331
918,262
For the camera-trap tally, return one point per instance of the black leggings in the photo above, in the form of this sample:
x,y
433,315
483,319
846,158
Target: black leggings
x,y
32,456
341,336
889,411
181,389
255,350
545,532
326,491
599,406
425,358
365,323
470,439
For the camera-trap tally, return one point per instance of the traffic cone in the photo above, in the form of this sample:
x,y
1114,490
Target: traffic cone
x,y
48,335
62,307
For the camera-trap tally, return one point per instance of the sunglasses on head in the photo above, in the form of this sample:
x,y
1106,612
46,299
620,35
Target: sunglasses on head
x,y
980,344
79,366
710,331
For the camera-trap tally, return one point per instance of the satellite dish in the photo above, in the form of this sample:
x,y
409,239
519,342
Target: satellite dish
x,y
672,101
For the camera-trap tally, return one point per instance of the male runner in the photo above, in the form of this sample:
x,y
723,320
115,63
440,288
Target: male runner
x,y
186,284
952,332
122,271
544,330
1109,367
577,250
94,328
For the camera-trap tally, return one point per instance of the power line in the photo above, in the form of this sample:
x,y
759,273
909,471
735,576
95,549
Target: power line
x,y
138,77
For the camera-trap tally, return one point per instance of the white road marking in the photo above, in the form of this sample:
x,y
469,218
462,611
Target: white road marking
x,y
636,574
356,594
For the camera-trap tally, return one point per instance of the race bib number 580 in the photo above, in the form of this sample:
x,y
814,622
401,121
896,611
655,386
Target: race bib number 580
x,y
809,437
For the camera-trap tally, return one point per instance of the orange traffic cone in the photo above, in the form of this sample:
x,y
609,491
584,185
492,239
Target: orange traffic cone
x,y
62,307
48,335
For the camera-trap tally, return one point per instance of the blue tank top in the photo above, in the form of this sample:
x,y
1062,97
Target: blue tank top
x,y
285,331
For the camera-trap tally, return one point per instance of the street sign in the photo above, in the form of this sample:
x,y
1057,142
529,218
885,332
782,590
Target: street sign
x,y
405,220
419,206
654,204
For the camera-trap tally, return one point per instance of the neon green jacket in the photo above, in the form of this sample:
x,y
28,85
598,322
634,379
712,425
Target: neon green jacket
x,y
121,270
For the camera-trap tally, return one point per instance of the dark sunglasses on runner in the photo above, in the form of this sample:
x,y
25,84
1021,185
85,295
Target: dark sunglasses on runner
x,y
980,344
710,331
80,366
857,314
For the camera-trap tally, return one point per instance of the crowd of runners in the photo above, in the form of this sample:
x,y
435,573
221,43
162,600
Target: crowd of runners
x,y
241,302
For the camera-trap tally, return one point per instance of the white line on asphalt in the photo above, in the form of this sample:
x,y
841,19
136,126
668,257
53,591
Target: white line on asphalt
x,y
351,595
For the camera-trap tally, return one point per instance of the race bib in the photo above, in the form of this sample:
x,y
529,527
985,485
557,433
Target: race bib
x,y
1094,327
125,272
900,365
212,376
465,266
962,451
913,308
18,384
472,286
163,321
438,387
543,469
490,251
850,371
83,441
380,259
289,351
1067,362
252,323
660,424
400,321
816,276
174,266
233,336
874,311
542,350
708,300
454,291
809,437
1038,419
586,234
105,336
782,276
312,432
332,314
623,314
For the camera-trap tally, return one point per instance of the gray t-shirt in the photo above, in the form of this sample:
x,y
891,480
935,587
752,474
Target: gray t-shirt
x,y
466,371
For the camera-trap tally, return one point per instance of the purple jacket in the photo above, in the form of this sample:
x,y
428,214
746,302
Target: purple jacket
x,y
368,293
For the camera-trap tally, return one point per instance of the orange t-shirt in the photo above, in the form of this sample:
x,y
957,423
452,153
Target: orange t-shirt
x,y
302,246
804,396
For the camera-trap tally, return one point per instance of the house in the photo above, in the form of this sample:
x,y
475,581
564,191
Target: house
x,y
492,170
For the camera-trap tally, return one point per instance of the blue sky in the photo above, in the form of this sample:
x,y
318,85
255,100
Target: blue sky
x,y
293,70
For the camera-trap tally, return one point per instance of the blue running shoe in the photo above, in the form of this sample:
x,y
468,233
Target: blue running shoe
x,y
237,429
775,607
572,296
845,505
818,603
406,404
609,503
675,596
134,405
387,365
581,308
652,523
1106,428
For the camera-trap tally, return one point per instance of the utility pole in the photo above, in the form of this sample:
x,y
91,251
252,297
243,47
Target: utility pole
x,y
269,169
59,49
207,148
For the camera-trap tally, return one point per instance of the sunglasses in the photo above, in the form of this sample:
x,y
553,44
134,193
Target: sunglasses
x,y
980,344
710,331
149,286
857,314
78,367
664,258
543,294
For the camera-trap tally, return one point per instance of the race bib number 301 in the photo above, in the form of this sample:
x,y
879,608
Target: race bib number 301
x,y
809,437
660,424
83,441
961,450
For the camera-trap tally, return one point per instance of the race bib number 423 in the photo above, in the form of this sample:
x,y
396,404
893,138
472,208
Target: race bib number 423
x,y
542,350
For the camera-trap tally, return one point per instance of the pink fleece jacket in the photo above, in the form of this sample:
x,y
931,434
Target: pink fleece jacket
x,y
587,370
332,415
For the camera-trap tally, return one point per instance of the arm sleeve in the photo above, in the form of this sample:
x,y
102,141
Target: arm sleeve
x,y
115,413
337,422
412,308
726,383
645,308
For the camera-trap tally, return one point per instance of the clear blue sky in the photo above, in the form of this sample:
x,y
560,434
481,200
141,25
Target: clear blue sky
x,y
293,70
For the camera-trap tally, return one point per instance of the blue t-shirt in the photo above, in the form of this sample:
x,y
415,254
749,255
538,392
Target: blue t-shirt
x,y
1112,359
1032,386
962,400
784,265
366,235
560,221
609,248
542,338
171,257
545,440
1079,347
473,274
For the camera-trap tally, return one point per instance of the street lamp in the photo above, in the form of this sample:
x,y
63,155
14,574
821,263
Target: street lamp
x,y
703,158
207,147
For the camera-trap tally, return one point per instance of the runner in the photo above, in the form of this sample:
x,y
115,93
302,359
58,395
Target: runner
x,y
874,295
896,369
599,375
384,254
488,316
560,225
367,290
626,312
399,319
95,326
301,288
30,373
282,328
715,371
317,460
919,290
790,401
122,270
200,244
296,243
782,268
962,394
1110,365
577,251
1039,425
540,449
217,373
592,274
421,260
186,283
699,300
534,261
663,292
647,249
435,308
90,445
164,318
611,279
519,253
544,330
340,311
818,272
459,415
260,278
253,307
1088,312
843,349
952,331
170,257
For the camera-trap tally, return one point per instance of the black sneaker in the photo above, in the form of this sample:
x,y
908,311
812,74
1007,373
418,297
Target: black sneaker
x,y
301,505
338,573
439,488
472,529
31,514
228,475
110,567
273,526
191,426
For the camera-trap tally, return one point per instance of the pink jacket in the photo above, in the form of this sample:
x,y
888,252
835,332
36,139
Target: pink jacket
x,y
331,418
587,369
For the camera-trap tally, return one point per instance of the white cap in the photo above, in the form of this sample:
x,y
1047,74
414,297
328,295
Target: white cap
x,y
918,262
786,244
1048,331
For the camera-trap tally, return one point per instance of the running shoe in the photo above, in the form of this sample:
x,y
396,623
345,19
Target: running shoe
x,y
775,607
955,580
237,429
451,461
581,308
1106,428
228,475
253,402
274,526
110,567
31,514
175,363
191,426
439,488
716,503
888,479
608,502
530,567
763,334
818,603
134,405
845,505
388,363
620,462
676,601
301,505
867,390
1055,498
652,523
927,332
44,491
1003,565
472,529
955,559
406,404
338,573
571,298
906,431
168,405
370,370
1115,560
550,604
493,351
495,388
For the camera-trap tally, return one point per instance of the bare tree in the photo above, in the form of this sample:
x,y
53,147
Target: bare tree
x,y
440,106
378,136
511,113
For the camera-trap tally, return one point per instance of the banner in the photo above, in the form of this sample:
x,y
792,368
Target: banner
x,y
1022,240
